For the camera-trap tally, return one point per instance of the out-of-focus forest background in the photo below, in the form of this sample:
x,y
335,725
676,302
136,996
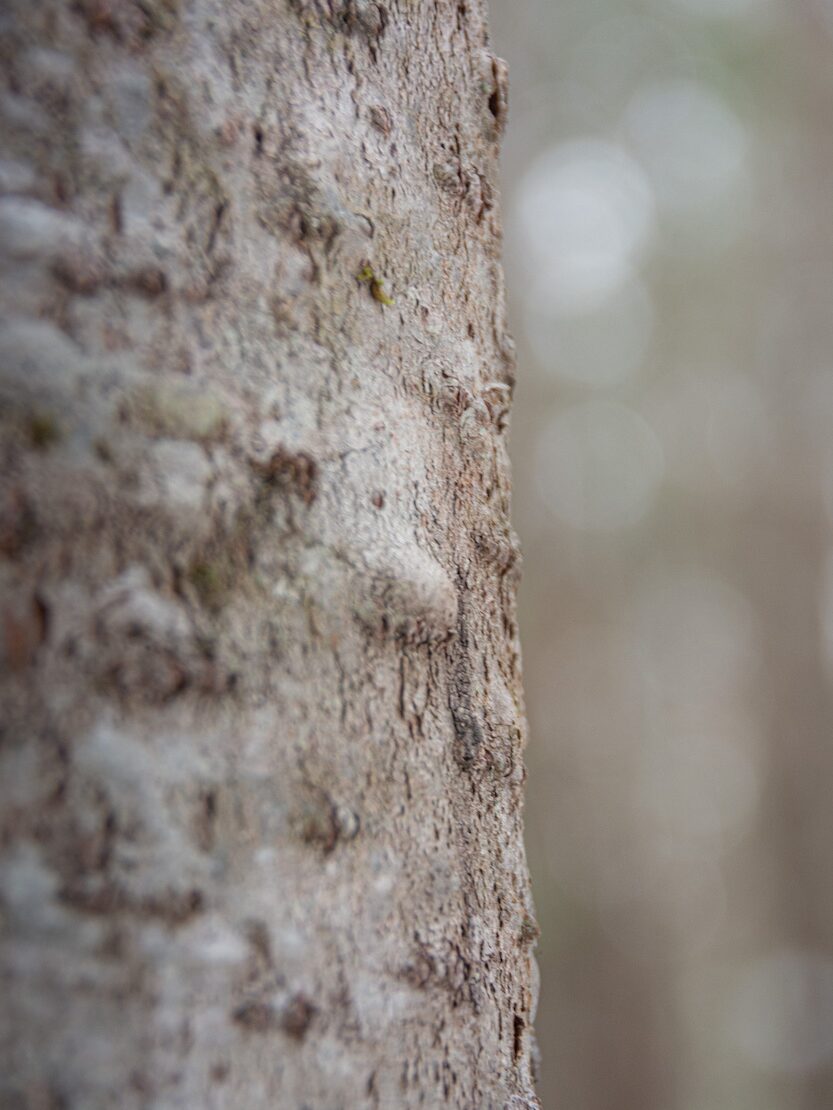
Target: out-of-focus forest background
x,y
668,197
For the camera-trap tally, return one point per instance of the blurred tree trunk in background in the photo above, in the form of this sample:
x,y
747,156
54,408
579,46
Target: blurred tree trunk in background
x,y
261,766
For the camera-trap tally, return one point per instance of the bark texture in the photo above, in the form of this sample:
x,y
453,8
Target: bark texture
x,y
261,763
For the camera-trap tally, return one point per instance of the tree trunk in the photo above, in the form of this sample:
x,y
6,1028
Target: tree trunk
x,y
261,764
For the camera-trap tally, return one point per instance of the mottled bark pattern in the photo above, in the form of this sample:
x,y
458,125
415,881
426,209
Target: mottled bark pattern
x,y
261,763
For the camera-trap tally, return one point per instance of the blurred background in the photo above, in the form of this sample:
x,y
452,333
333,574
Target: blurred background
x,y
668,200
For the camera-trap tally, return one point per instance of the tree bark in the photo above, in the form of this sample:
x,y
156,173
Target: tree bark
x,y
261,764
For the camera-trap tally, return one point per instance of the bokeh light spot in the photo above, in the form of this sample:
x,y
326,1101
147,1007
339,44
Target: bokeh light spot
x,y
599,466
781,1011
585,211
699,638
691,144
600,344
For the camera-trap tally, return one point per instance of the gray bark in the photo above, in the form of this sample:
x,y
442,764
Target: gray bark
x,y
261,761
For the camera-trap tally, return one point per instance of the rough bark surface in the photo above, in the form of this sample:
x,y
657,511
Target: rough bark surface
x,y
261,763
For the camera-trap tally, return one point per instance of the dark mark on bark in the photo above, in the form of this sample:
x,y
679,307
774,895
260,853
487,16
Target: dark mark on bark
x,y
258,1017
297,1016
296,471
